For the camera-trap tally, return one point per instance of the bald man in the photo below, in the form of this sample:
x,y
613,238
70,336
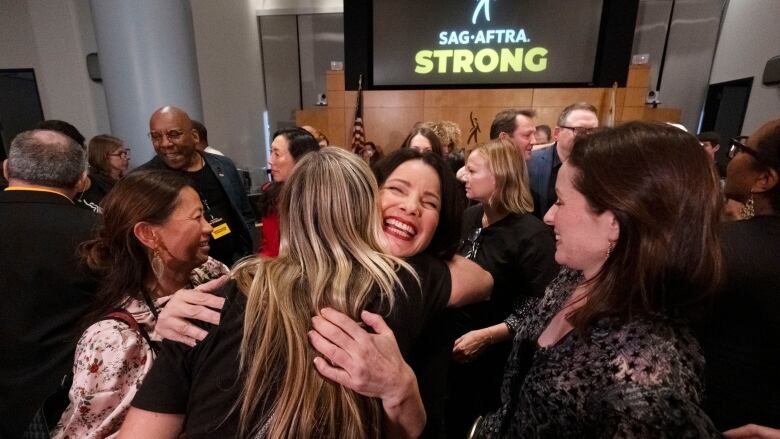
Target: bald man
x,y
215,177
45,288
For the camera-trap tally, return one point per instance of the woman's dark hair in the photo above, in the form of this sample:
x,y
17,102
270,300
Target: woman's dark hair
x,y
428,134
768,152
664,193
115,254
98,152
446,238
300,143
378,154
62,127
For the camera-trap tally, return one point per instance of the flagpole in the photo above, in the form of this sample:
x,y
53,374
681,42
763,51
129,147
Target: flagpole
x,y
358,134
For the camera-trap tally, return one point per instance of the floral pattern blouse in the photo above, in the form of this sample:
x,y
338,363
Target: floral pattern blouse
x,y
110,364
635,379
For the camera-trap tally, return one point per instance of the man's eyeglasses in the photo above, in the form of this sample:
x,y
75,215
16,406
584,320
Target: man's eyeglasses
x,y
738,145
578,130
123,153
172,135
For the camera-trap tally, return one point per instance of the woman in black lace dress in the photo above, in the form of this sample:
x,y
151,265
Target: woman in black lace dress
x,y
607,351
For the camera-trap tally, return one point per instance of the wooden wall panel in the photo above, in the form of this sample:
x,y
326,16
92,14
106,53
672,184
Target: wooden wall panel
x,y
638,76
389,115
507,98
561,97
316,117
335,130
388,127
548,115
391,99
334,80
635,96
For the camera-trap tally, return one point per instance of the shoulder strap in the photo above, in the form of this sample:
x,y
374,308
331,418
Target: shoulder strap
x,y
123,315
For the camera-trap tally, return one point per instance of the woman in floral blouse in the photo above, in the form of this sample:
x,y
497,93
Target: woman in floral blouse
x,y
153,241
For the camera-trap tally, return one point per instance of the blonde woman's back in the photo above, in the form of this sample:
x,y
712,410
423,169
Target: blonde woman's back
x,y
329,256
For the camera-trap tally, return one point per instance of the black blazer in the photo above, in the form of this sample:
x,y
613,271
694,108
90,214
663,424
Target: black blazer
x,y
44,294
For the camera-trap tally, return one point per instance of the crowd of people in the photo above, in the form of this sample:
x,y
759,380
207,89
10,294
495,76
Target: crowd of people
x,y
572,281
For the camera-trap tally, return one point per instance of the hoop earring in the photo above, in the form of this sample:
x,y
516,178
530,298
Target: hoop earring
x,y
748,210
158,266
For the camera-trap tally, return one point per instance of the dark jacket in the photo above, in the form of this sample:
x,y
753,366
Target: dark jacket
x,y
227,174
539,172
45,292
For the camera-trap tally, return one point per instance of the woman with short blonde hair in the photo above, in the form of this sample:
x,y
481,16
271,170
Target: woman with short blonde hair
x,y
504,238
513,191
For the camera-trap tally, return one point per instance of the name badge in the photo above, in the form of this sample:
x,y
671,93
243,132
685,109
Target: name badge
x,y
220,228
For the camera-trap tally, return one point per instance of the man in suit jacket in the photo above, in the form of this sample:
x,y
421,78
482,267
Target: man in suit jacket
x,y
225,204
578,118
44,287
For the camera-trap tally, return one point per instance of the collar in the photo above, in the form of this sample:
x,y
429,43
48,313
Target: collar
x,y
37,189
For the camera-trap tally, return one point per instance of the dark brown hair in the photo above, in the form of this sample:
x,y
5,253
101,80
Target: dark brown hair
x,y
664,193
428,134
506,121
115,254
98,152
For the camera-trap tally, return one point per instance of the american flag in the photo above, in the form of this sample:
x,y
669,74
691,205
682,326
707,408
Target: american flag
x,y
358,135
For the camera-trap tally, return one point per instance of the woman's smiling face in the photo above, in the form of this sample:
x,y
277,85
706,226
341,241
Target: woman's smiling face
x,y
410,201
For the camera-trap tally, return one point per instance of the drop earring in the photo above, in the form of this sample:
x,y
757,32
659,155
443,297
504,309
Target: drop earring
x,y
609,249
748,210
158,266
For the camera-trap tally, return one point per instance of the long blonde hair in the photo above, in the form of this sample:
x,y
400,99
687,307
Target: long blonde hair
x,y
330,256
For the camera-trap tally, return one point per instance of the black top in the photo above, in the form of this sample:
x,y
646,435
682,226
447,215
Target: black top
x,y
640,379
203,381
230,181
518,251
46,290
741,338
100,185
216,209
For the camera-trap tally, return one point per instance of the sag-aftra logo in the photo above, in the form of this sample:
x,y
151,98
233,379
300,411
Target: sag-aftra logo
x,y
482,50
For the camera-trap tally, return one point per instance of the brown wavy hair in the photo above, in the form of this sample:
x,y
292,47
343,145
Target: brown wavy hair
x,y
664,193
115,254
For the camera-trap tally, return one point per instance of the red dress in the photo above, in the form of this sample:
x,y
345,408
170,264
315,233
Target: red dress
x,y
270,244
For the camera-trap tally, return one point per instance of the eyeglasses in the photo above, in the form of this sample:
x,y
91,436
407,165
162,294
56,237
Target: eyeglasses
x,y
578,130
123,153
471,243
737,145
172,135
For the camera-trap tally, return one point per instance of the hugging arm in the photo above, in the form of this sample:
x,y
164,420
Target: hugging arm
x,y
371,365
470,282
198,304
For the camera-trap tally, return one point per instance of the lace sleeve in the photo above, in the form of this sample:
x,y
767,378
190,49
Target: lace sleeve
x,y
635,411
522,307
110,362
